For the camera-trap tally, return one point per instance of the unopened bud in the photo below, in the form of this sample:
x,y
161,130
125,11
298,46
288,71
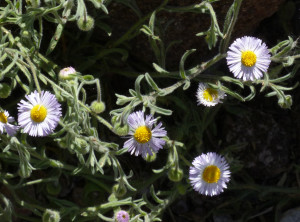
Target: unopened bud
x,y
121,130
287,103
181,188
175,174
67,73
119,191
5,90
53,188
82,145
85,23
98,107
33,3
51,216
150,158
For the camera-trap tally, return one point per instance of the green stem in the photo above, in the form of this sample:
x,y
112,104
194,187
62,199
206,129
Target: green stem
x,y
98,90
36,81
200,69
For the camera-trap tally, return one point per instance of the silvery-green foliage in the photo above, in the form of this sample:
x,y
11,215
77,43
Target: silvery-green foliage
x,y
25,66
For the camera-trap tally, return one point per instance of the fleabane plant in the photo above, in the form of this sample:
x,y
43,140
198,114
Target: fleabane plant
x,y
70,152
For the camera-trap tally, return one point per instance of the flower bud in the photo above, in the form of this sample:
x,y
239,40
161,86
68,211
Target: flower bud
x,y
98,107
181,188
51,216
5,90
286,103
175,174
121,130
150,158
53,188
67,73
33,3
82,145
85,23
25,34
118,190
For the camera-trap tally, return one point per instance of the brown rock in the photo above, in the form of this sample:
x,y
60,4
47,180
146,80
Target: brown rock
x,y
184,27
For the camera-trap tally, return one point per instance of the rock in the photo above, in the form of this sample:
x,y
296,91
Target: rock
x,y
184,27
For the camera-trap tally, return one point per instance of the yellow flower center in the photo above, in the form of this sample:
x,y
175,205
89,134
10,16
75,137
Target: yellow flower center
x,y
248,58
3,118
142,134
38,113
211,174
210,94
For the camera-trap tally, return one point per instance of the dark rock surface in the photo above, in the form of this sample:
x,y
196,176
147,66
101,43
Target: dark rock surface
x,y
185,26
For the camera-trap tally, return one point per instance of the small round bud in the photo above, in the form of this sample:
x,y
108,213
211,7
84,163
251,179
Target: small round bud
x,y
98,107
181,189
53,188
121,130
85,23
150,158
118,190
62,144
67,73
5,90
33,3
51,216
25,34
287,103
82,145
175,174
122,216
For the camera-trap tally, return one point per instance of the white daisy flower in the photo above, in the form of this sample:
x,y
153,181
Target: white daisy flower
x,y
144,139
208,96
5,121
209,174
248,58
40,114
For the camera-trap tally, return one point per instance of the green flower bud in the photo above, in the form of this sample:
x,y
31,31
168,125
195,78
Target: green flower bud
x,y
53,188
5,90
51,216
181,189
98,107
33,3
287,103
82,145
175,174
62,143
118,190
85,23
150,158
25,34
121,130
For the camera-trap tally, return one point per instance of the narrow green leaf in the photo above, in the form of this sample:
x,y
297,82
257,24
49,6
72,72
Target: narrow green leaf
x,y
151,82
55,38
138,86
159,69
252,94
160,110
182,61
